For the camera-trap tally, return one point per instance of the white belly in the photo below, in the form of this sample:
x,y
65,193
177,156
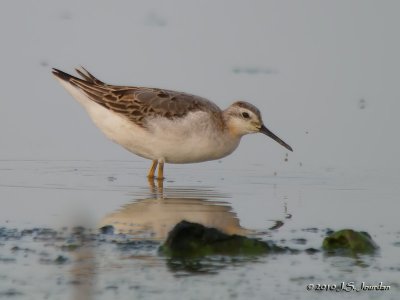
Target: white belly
x,y
187,140
191,139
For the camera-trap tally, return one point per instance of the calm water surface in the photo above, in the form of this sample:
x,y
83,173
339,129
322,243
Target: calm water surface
x,y
294,210
328,88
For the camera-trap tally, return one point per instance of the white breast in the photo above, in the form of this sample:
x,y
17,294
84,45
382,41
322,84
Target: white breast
x,y
194,138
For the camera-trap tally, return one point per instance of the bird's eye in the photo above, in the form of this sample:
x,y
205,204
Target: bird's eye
x,y
245,115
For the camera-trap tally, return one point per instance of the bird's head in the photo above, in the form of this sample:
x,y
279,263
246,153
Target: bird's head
x,y
244,118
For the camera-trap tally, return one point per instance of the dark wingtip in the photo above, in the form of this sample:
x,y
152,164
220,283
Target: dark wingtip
x,y
60,74
54,71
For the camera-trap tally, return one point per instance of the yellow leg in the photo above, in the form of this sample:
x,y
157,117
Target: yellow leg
x,y
153,169
153,188
160,170
160,185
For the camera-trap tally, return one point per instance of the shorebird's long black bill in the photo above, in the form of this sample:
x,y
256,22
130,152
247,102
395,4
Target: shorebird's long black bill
x,y
266,131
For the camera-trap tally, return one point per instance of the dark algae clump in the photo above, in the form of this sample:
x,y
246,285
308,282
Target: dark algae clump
x,y
194,240
348,241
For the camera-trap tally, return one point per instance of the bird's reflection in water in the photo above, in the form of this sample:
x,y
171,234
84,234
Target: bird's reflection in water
x,y
145,223
152,216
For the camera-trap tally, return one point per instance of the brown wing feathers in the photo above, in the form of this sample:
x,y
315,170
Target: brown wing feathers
x,y
137,103
89,77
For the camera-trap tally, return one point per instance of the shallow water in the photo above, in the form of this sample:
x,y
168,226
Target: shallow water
x,y
57,260
328,88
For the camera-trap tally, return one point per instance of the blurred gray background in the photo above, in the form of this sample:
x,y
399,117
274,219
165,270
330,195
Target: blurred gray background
x,y
324,74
